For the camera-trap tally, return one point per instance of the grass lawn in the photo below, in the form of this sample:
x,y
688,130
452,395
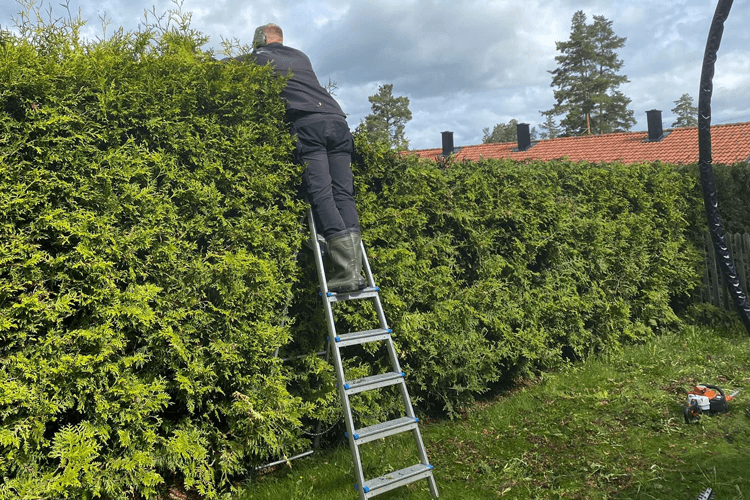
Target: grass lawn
x,y
610,427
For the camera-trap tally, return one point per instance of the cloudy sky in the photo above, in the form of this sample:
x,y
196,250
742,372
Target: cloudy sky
x,y
466,65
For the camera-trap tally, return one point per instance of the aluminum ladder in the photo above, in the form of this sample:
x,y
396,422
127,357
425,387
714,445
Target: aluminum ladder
x,y
337,342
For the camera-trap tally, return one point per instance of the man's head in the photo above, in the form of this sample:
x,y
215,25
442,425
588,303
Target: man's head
x,y
268,33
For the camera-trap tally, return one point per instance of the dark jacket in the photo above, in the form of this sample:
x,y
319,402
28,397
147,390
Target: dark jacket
x,y
303,92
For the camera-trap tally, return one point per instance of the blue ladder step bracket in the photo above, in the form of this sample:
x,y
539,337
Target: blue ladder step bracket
x,y
396,479
357,338
365,293
385,429
373,382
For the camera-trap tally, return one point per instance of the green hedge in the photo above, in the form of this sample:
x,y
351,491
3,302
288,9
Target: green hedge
x,y
496,268
151,263
733,194
148,229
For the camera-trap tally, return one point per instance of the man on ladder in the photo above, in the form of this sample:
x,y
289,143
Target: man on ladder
x,y
325,145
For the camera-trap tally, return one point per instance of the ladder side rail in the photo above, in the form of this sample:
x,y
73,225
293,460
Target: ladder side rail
x,y
371,283
421,447
316,251
392,355
319,266
338,365
431,479
348,419
397,368
366,266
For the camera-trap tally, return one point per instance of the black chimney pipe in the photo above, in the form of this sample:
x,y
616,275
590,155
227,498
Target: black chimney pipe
x,y
447,143
655,130
524,137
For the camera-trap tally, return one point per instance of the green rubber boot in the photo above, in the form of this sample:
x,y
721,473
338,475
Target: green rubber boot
x,y
357,242
345,263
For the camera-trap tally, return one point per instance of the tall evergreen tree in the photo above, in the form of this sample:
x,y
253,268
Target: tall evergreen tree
x,y
332,87
587,82
687,114
388,118
550,129
504,132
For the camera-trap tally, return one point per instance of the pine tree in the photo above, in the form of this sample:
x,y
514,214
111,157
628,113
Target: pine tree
x,y
504,132
332,87
687,114
388,118
587,81
549,127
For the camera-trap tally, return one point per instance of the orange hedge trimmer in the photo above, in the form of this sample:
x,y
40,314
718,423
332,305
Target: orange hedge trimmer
x,y
706,398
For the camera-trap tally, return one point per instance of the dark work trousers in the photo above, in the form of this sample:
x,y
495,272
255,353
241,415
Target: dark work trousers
x,y
325,145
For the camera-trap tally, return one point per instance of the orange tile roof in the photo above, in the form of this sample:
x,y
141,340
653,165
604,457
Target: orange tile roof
x,y
729,144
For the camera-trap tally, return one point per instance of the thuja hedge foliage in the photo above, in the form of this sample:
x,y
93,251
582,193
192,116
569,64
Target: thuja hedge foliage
x,y
151,263
494,268
148,229
733,193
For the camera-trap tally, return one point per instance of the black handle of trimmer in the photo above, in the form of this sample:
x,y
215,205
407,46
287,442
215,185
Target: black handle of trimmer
x,y
709,386
718,403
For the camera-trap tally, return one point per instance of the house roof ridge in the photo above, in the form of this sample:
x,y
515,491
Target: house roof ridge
x,y
589,136
679,145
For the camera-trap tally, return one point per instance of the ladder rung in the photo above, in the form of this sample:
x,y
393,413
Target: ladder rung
x,y
397,478
362,337
373,382
385,429
365,293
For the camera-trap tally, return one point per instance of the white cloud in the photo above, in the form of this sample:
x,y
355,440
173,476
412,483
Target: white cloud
x,y
470,64
732,72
